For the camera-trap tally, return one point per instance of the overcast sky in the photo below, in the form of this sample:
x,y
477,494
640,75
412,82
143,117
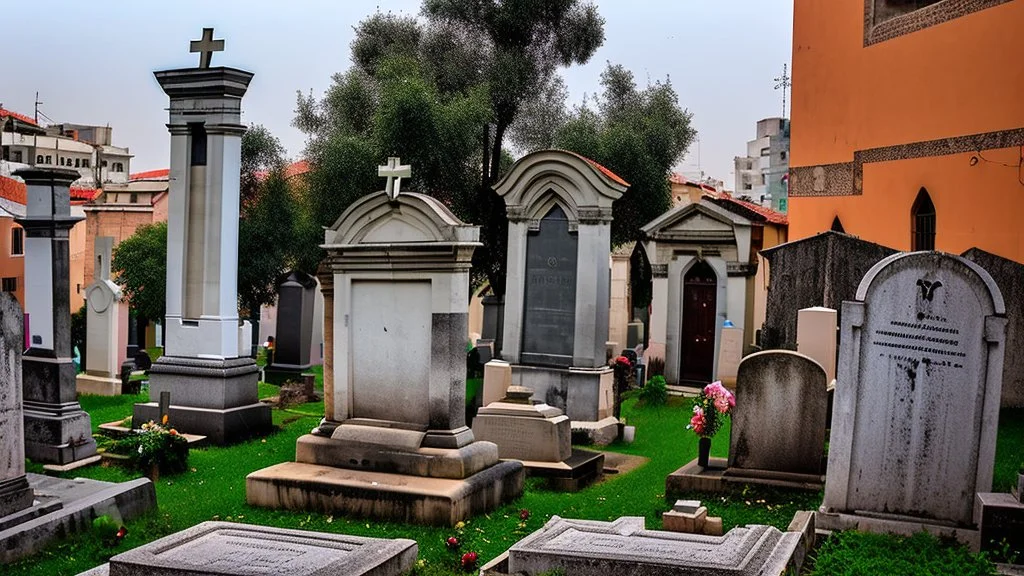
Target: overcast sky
x,y
92,62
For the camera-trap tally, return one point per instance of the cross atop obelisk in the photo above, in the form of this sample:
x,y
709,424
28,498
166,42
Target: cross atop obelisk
x,y
206,46
394,172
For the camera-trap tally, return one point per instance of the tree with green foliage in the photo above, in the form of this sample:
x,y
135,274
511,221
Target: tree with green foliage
x,y
639,135
442,94
140,268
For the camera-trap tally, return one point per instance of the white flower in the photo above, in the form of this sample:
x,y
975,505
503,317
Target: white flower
x,y
140,449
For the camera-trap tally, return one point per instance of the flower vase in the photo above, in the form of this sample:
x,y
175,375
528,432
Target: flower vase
x,y
703,451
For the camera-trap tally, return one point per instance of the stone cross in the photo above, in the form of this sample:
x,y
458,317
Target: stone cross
x,y
206,46
103,250
394,172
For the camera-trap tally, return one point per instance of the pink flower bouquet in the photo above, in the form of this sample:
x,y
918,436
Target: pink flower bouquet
x,y
710,409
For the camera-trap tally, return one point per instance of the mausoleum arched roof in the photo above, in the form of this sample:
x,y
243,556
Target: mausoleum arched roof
x,y
409,218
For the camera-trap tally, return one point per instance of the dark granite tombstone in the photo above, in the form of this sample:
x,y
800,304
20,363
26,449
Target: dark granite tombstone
x,y
1009,276
294,332
549,321
821,270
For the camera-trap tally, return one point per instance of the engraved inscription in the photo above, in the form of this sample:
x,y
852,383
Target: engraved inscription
x,y
642,547
258,554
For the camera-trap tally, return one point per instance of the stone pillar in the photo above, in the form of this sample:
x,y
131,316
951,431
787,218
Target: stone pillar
x,y
15,493
206,365
57,431
330,422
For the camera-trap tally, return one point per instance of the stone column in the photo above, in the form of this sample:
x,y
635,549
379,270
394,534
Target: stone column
x,y
15,493
57,431
328,424
593,288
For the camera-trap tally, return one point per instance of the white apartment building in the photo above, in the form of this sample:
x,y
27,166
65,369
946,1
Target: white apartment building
x,y
762,174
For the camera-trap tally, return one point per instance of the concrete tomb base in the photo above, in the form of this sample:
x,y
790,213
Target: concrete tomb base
x,y
880,523
381,495
600,433
228,549
583,394
625,548
98,385
717,477
540,437
62,507
222,396
57,430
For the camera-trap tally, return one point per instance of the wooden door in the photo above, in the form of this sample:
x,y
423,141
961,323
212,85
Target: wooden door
x,y
697,347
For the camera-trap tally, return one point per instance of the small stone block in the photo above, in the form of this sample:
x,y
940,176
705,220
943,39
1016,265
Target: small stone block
x,y
683,522
686,506
713,526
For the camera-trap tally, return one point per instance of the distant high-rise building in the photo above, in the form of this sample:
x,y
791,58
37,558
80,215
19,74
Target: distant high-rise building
x,y
763,174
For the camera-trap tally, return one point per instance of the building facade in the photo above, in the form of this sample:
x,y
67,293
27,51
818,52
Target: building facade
x,y
763,174
907,125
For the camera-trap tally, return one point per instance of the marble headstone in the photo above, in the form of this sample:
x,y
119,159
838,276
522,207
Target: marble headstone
x,y
104,316
228,549
918,389
778,423
15,494
625,548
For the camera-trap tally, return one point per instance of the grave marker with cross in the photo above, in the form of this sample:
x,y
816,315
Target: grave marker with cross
x,y
206,46
394,172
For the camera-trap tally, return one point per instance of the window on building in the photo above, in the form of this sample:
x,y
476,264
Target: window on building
x,y
49,159
78,162
837,225
748,186
922,222
39,159
118,167
17,241
85,162
886,9
9,284
16,156
766,151
783,154
197,134
103,164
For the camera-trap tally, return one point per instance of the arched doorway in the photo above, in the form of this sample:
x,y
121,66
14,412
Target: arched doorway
x,y
697,345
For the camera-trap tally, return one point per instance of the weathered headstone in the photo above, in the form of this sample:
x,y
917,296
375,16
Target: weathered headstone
x,y
1009,276
105,314
918,388
730,354
778,424
394,443
625,548
228,549
558,287
57,430
821,270
294,330
15,494
206,363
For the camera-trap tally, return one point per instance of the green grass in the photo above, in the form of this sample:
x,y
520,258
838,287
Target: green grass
x,y
1009,449
861,554
214,488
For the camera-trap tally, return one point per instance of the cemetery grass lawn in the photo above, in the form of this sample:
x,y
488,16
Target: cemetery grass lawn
x,y
853,553
214,489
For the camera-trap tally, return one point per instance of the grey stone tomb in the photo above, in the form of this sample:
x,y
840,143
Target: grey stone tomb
x,y
294,331
917,392
394,443
57,430
206,364
35,509
625,548
228,549
778,424
559,207
104,316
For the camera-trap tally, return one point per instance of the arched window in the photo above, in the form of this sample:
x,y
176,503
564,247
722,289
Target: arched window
x,y
39,159
837,225
922,222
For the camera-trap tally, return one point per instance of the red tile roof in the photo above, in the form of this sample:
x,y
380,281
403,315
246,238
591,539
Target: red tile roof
x,y
161,174
769,214
16,116
296,169
84,194
13,190
612,175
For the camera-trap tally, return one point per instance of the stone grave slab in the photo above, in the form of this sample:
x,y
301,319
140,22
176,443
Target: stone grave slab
x,y
227,549
918,391
625,548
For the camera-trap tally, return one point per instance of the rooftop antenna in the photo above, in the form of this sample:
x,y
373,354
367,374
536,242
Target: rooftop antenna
x,y
37,107
784,82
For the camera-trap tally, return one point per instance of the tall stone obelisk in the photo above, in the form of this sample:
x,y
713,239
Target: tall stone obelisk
x,y
57,430
206,365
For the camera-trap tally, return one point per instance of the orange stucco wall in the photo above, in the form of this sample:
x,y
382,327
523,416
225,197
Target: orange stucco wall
x,y
958,78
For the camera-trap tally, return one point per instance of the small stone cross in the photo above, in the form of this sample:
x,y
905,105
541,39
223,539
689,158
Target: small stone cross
x,y
206,46
394,172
